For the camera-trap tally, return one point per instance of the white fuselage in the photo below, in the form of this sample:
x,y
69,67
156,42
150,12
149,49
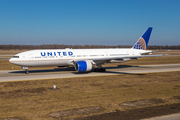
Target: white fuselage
x,y
65,57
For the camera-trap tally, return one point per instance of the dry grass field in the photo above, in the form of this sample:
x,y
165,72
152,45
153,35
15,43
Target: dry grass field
x,y
36,100
29,100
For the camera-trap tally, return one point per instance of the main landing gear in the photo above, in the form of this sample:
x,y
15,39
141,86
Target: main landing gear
x,y
99,69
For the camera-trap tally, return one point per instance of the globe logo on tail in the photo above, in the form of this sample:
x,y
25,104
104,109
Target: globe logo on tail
x,y
143,40
140,44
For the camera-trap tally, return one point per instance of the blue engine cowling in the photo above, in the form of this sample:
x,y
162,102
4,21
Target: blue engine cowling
x,y
83,66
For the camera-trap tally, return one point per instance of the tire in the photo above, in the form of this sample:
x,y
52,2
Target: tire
x,y
27,72
99,70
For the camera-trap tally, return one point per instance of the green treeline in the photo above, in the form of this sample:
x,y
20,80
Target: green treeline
x,y
62,46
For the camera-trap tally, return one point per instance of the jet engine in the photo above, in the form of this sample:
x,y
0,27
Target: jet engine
x,y
83,66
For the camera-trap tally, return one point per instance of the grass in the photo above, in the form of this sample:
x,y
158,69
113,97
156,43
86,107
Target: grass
x,y
10,52
35,100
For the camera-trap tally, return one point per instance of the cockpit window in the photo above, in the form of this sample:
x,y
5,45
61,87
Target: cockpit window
x,y
15,56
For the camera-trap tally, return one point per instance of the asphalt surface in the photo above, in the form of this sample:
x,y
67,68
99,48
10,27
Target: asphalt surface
x,y
16,75
5,57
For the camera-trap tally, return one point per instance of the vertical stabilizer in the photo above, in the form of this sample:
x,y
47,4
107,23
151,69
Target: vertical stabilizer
x,y
143,40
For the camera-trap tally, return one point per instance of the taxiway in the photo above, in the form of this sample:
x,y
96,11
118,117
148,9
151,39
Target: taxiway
x,y
17,75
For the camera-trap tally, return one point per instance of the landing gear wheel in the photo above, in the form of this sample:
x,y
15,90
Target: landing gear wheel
x,y
26,71
95,70
100,70
103,70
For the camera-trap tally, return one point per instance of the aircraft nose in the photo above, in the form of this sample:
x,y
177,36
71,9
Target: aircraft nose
x,y
10,60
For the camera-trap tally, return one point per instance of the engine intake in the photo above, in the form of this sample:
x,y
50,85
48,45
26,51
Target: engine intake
x,y
83,66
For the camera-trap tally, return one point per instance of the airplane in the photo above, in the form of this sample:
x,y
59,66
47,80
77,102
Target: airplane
x,y
84,60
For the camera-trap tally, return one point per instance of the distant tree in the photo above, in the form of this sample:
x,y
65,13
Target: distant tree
x,y
62,46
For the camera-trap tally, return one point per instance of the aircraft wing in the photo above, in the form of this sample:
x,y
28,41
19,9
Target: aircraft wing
x,y
125,57
106,60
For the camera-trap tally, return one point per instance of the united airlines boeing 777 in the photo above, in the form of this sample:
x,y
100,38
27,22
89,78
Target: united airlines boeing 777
x,y
83,59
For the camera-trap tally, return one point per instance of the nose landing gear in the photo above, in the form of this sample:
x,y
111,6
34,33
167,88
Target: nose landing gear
x,y
26,70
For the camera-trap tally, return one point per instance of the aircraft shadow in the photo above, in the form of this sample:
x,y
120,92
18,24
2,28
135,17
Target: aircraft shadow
x,y
46,70
114,72
73,70
125,66
123,73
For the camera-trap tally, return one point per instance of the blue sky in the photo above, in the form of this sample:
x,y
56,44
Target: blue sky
x,y
106,22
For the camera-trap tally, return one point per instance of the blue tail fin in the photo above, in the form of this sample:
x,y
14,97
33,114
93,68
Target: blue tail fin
x,y
143,40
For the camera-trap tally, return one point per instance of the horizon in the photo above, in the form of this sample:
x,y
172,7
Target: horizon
x,y
86,44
